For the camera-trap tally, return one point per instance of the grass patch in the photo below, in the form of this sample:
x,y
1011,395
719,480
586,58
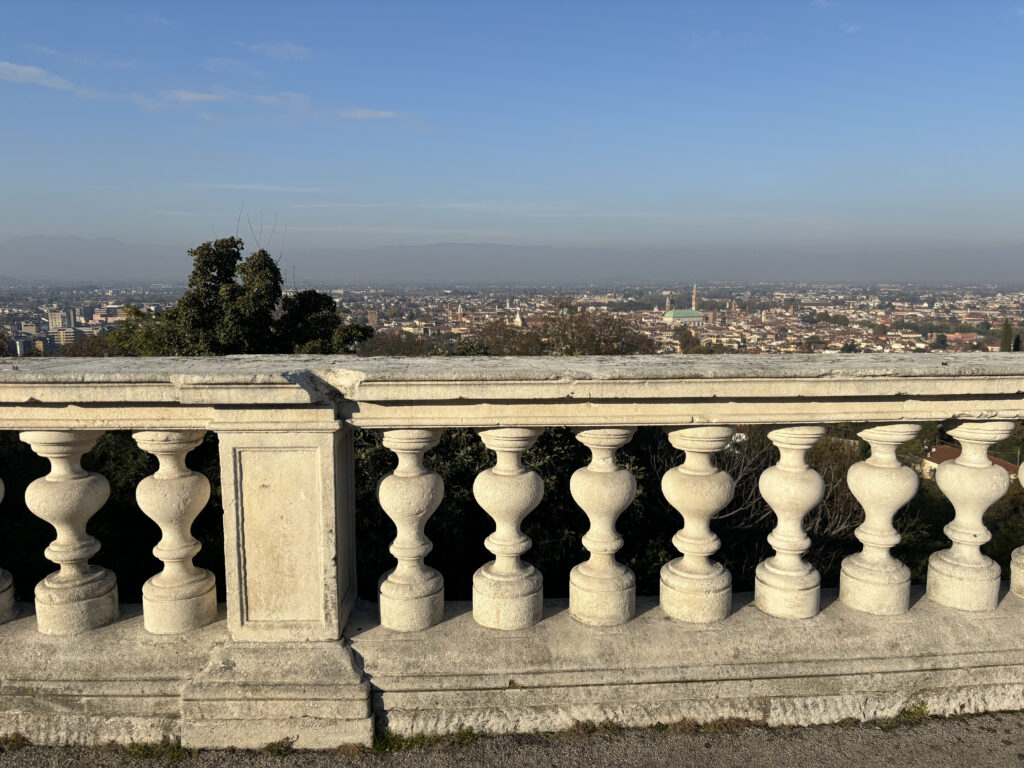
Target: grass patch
x,y
913,714
686,725
167,749
847,722
282,747
389,741
13,742
588,728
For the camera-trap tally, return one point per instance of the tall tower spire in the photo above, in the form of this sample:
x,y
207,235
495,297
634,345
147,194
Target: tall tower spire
x,y
694,306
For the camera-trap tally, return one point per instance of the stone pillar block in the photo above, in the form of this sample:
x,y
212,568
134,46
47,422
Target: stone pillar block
x,y
288,532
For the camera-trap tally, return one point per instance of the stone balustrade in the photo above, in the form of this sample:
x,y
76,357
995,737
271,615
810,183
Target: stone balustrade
x,y
293,653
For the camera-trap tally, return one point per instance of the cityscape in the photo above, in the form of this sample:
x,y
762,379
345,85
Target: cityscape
x,y
724,318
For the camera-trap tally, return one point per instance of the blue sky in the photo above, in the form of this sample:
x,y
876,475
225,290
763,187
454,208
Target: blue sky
x,y
818,126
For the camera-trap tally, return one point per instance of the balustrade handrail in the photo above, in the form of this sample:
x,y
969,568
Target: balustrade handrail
x,y
284,426
388,390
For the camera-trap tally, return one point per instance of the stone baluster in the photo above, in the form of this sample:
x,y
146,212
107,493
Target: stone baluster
x,y
79,596
694,587
1017,561
411,595
507,592
181,597
961,576
785,585
602,591
872,580
6,585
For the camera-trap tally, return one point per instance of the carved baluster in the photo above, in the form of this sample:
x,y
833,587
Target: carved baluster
x,y
873,580
181,597
6,585
602,591
79,596
1017,560
507,592
961,577
786,585
411,595
694,587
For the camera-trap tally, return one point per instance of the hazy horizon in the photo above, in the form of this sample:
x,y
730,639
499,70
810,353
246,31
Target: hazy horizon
x,y
812,139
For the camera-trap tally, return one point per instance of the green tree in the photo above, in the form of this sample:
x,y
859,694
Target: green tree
x,y
686,339
1006,338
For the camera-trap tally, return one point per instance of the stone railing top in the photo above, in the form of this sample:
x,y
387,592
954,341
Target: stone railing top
x,y
575,390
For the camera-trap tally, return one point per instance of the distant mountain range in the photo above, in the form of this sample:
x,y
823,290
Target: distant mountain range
x,y
108,261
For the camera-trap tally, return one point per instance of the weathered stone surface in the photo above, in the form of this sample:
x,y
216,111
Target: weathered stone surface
x,y
253,694
287,534
116,683
873,580
841,663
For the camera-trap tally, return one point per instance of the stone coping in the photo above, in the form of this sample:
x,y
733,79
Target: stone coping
x,y
528,391
350,371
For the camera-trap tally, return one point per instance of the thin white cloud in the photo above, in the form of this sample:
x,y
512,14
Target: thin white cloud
x,y
256,187
823,3
190,97
230,65
1019,11
283,100
850,29
370,114
279,51
77,59
25,73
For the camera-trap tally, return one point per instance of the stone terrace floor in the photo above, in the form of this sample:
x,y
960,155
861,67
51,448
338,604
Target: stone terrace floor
x,y
979,741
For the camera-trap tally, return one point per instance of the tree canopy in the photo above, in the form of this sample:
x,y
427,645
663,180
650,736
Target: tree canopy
x,y
234,305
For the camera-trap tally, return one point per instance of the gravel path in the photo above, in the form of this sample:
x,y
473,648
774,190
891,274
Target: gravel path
x,y
981,741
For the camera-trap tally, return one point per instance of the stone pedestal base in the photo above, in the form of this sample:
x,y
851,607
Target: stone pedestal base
x,y
253,694
965,587
602,601
695,597
784,594
403,610
7,610
502,602
883,592
62,610
166,613
1017,571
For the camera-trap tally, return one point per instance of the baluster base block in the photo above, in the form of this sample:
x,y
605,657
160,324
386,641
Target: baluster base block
x,y
786,595
602,601
7,609
164,613
1017,571
503,602
404,609
881,591
965,587
73,610
699,598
